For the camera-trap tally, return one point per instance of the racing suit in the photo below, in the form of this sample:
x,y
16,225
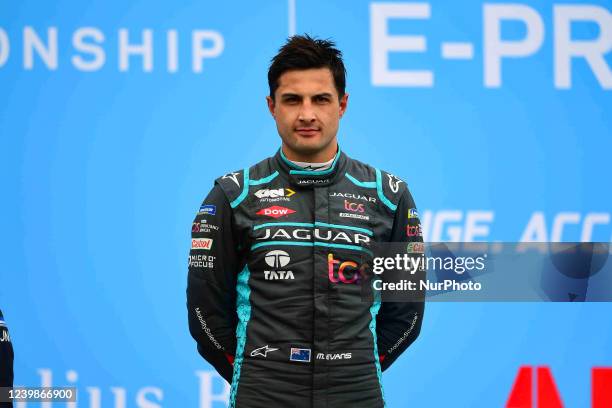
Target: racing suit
x,y
271,294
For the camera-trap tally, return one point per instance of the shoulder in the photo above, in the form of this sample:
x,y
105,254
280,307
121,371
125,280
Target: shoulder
x,y
235,184
389,187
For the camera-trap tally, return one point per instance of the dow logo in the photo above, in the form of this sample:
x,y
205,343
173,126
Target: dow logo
x,y
536,388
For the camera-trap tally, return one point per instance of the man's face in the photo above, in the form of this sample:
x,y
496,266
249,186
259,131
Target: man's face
x,y
307,113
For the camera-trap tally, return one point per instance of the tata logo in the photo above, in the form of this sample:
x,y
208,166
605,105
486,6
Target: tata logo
x,y
274,193
275,211
277,259
347,271
201,243
355,207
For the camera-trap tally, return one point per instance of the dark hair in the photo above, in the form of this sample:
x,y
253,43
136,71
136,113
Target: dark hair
x,y
305,52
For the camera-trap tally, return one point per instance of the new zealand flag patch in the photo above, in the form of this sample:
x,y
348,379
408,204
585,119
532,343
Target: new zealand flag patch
x,y
299,354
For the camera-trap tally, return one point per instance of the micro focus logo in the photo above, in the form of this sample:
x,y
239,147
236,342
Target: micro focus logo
x,y
277,260
275,211
201,243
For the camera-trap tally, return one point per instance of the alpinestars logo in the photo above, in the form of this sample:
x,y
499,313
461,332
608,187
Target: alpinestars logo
x,y
277,259
233,177
275,211
394,183
263,351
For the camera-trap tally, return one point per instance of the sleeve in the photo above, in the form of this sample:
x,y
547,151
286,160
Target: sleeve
x,y
6,355
398,323
211,283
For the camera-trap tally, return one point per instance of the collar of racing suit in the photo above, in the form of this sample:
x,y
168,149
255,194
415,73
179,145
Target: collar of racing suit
x,y
309,178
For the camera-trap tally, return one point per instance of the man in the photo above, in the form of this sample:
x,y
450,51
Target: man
x,y
6,359
273,295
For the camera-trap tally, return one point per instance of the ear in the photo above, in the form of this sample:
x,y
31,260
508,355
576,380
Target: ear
x,y
343,104
270,105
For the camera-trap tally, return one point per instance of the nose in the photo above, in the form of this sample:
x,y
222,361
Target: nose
x,y
306,113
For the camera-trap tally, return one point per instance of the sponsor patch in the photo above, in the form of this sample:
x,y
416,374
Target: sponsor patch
x,y
354,207
415,247
413,213
275,211
356,216
300,354
201,261
414,230
203,226
274,193
277,259
353,196
263,351
233,177
394,183
209,209
201,243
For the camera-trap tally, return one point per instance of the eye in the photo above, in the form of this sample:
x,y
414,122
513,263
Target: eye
x,y
321,99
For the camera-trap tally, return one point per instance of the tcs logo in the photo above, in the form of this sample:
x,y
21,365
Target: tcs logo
x,y
353,207
348,271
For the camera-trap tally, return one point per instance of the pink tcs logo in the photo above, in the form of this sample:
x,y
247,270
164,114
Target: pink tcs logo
x,y
545,391
348,271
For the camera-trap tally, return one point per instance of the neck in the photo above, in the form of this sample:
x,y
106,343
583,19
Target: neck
x,y
321,156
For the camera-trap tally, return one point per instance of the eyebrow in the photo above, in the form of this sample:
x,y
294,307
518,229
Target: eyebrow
x,y
292,95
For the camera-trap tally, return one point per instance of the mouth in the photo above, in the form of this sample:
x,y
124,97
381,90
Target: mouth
x,y
307,132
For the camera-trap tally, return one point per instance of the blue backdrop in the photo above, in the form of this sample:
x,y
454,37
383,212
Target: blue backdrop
x,y
115,117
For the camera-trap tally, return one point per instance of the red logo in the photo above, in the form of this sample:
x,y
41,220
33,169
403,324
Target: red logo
x,y
201,243
545,391
353,206
414,231
275,211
